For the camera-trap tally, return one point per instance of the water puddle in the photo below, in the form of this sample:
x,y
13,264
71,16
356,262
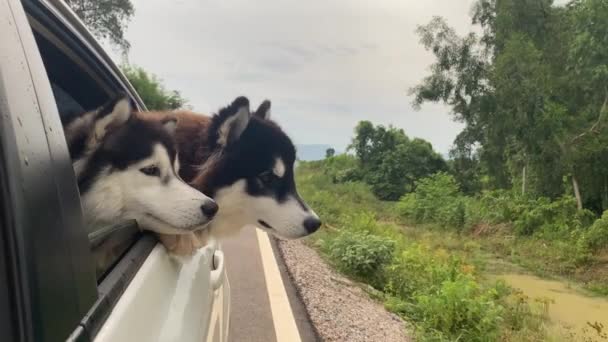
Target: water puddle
x,y
571,313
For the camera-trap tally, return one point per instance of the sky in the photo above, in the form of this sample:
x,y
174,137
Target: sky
x,y
324,64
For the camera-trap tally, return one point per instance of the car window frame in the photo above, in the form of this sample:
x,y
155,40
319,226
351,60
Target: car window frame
x,y
33,289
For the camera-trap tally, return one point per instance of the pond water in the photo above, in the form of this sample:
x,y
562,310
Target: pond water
x,y
571,311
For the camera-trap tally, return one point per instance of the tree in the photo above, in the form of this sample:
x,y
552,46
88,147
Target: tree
x,y
531,88
107,19
330,152
151,90
391,162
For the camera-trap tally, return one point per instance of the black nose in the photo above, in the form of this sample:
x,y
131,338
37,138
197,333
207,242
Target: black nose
x,y
209,208
311,224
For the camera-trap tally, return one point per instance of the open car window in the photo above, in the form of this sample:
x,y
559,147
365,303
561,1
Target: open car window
x,y
81,83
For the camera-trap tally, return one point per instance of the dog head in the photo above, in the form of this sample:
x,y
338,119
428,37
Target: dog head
x,y
250,173
129,170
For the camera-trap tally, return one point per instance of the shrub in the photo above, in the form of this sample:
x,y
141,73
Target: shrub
x,y
597,235
418,268
499,206
593,239
342,168
460,310
440,293
553,219
361,254
436,200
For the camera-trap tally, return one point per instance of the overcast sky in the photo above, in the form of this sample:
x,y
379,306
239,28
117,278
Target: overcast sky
x,y
324,64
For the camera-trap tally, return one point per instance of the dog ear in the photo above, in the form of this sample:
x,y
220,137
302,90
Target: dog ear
x,y
228,125
263,111
114,114
170,125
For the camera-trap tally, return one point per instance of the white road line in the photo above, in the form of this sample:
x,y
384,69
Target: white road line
x,y
285,326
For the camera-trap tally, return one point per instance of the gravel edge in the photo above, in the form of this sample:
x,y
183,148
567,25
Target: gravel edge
x,y
338,309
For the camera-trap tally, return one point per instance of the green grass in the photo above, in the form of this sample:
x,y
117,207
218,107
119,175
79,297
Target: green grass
x,y
433,278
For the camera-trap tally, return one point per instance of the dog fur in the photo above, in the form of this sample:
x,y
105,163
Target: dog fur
x,y
128,168
245,162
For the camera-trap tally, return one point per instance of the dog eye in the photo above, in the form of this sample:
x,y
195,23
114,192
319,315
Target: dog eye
x,y
151,170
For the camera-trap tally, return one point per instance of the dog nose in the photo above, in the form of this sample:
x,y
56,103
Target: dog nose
x,y
311,224
209,208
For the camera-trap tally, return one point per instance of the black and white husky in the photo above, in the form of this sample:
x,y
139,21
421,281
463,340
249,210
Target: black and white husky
x,y
127,168
246,163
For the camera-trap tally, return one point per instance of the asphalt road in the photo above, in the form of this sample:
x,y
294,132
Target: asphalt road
x,y
264,303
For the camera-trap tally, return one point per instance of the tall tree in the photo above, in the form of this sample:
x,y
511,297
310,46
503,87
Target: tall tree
x,y
107,19
531,89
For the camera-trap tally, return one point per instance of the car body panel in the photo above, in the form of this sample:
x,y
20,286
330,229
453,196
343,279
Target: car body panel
x,y
167,300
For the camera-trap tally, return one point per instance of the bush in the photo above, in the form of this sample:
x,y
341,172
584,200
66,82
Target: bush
x,y
553,219
361,254
596,236
500,206
342,168
439,292
417,268
151,90
460,310
436,200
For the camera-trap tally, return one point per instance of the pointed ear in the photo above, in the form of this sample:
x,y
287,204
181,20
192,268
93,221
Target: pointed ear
x,y
114,114
170,125
263,111
228,125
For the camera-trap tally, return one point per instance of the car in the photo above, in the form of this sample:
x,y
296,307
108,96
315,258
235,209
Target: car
x,y
58,280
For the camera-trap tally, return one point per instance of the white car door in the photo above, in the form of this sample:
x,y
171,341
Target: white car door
x,y
173,300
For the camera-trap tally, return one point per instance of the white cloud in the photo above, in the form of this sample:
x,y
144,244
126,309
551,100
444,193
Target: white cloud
x,y
325,64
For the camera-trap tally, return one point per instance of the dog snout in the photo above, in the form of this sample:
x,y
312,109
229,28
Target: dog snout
x,y
209,209
312,224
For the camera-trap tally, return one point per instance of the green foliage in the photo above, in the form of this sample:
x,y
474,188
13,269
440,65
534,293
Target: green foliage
x,y
151,89
342,168
530,85
440,291
596,237
461,309
361,254
330,152
465,166
107,19
553,219
436,199
417,269
390,162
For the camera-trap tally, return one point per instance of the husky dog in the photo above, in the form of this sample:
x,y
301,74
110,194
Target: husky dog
x,y
127,168
246,163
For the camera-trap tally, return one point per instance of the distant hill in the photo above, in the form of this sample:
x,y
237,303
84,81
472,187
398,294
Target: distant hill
x,y
308,152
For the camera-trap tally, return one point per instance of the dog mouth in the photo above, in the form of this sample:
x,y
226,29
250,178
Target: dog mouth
x,y
265,225
178,228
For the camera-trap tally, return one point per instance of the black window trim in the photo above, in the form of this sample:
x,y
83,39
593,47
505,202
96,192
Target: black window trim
x,y
45,22
85,305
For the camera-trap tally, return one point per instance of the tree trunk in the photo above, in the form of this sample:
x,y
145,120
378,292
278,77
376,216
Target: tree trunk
x,y
577,193
523,180
605,195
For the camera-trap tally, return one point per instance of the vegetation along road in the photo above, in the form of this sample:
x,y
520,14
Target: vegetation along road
x,y
507,239
451,264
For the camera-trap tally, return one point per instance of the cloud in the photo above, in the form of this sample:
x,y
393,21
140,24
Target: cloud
x,y
325,64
